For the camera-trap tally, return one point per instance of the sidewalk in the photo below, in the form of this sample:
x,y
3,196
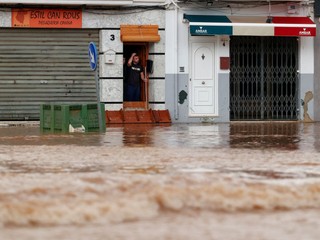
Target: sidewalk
x,y
19,123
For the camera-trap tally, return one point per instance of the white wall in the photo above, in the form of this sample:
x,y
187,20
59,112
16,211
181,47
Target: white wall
x,y
306,55
5,17
306,69
113,19
170,49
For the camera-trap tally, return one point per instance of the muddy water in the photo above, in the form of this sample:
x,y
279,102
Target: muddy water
x,y
223,181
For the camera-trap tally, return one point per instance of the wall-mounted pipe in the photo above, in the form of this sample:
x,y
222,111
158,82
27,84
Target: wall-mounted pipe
x,y
175,61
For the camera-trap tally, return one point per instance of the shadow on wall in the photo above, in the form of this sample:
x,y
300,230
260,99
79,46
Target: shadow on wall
x,y
182,96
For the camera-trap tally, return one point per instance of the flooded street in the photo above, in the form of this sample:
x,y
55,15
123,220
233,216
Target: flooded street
x,y
184,181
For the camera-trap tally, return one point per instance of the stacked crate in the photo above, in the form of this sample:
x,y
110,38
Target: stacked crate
x,y
63,117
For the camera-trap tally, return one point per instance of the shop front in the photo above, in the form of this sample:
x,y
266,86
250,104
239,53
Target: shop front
x,y
245,68
43,59
44,56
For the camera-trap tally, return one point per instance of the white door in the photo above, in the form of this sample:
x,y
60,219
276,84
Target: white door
x,y
202,82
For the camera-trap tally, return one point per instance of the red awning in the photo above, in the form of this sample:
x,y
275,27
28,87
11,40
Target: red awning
x,y
294,26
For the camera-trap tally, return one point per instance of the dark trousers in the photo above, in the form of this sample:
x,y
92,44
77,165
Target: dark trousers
x,y
132,93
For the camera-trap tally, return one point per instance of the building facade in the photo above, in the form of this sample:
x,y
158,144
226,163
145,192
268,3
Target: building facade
x,y
207,61
316,61
44,52
230,61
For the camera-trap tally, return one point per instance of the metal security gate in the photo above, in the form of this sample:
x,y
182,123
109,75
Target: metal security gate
x,y
44,65
263,78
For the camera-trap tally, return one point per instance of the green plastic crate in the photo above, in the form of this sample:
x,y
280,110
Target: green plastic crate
x,y
89,115
58,117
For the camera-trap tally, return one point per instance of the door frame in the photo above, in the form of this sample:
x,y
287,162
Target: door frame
x,y
204,39
144,89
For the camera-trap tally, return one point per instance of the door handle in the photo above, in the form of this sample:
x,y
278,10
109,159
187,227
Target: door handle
x,y
203,82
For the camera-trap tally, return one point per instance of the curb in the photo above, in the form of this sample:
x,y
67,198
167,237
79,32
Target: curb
x,y
19,123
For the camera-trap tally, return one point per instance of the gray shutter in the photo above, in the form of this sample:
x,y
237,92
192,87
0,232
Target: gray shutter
x,y
41,66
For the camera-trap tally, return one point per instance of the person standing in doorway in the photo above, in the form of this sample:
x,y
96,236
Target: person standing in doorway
x,y
134,76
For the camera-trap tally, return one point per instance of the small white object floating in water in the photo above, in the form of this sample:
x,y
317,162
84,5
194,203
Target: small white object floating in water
x,y
77,129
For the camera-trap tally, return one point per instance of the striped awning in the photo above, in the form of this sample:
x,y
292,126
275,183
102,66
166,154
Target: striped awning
x,y
208,25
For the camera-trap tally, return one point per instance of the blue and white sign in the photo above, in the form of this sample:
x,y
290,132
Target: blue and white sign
x,y
93,56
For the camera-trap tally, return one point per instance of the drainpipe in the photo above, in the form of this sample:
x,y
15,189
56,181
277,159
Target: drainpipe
x,y
175,62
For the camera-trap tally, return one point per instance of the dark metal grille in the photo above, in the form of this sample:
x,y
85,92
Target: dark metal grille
x,y
263,78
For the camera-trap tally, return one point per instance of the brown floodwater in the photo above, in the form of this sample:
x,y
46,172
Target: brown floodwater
x,y
251,135
181,181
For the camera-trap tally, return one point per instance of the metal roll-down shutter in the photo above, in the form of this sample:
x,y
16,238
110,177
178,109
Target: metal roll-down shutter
x,y
41,66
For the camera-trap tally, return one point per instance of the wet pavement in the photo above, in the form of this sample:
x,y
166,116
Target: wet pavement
x,y
249,180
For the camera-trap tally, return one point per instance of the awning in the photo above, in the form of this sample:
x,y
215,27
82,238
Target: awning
x,y
139,33
208,25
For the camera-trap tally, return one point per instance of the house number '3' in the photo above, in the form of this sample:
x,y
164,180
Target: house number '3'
x,y
112,37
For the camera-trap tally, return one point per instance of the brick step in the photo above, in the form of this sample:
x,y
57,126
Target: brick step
x,y
134,106
137,116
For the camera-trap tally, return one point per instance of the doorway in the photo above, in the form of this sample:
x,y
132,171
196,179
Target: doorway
x,y
203,82
142,50
263,78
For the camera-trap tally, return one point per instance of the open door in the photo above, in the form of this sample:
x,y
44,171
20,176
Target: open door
x,y
142,50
